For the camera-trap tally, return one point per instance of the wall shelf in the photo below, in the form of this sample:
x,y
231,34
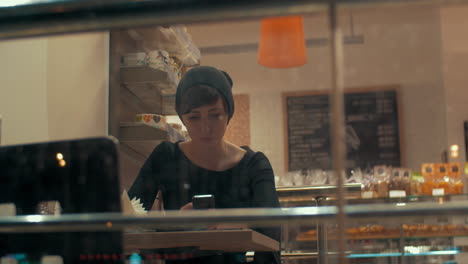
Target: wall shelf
x,y
140,98
137,132
138,78
310,193
132,131
133,102
173,39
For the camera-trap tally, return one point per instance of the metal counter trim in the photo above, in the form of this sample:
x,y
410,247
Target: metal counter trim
x,y
252,217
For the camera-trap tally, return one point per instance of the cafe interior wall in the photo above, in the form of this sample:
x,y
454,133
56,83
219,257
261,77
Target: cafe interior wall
x,y
23,100
402,46
77,80
454,28
54,88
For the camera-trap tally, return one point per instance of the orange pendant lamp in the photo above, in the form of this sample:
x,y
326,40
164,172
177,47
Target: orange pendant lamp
x,y
282,43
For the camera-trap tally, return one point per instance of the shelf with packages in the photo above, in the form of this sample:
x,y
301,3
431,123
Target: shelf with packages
x,y
308,195
153,89
137,132
174,39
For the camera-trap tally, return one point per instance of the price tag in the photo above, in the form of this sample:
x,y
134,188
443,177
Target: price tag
x,y
397,194
367,195
438,192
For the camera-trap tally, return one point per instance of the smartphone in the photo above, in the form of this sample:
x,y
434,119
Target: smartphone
x,y
204,201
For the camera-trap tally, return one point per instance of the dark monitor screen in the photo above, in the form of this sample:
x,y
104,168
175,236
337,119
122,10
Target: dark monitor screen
x,y
82,175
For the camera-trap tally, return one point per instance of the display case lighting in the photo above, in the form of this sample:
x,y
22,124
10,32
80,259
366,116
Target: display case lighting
x,y
34,218
10,3
397,254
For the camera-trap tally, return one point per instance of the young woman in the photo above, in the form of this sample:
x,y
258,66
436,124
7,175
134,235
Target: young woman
x,y
208,164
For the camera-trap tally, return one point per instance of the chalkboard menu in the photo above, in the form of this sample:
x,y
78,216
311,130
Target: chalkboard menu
x,y
372,130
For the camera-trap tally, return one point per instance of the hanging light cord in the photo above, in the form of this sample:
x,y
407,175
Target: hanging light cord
x,y
338,124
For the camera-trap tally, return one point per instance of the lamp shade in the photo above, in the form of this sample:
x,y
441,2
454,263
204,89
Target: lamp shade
x,y
282,43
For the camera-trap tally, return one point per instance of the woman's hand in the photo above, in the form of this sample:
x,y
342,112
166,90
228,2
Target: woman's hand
x,y
188,206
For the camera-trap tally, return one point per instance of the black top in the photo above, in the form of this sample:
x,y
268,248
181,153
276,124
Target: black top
x,y
248,184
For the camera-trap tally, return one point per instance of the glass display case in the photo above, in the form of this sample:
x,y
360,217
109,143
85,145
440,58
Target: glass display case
x,y
421,239
362,121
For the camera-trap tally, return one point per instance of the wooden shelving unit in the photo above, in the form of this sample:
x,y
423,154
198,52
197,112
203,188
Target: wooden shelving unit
x,y
144,89
174,40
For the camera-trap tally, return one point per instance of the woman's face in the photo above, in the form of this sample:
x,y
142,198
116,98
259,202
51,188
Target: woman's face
x,y
206,124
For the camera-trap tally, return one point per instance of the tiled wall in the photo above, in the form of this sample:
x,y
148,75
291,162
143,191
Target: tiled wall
x,y
238,131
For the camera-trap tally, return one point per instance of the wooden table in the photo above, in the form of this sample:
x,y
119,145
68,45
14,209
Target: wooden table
x,y
238,240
